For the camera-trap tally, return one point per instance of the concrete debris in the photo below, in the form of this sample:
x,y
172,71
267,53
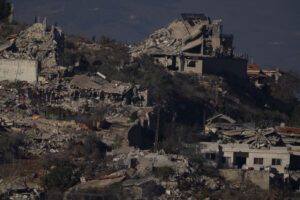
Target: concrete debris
x,y
134,173
210,183
38,42
193,44
69,109
183,35
228,130
18,188
146,161
222,117
42,126
101,75
225,125
6,45
111,92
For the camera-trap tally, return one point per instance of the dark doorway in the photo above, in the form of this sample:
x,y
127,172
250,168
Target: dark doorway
x,y
240,158
295,162
174,61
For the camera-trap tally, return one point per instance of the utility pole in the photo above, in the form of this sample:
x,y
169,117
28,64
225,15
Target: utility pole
x,y
157,131
204,120
217,95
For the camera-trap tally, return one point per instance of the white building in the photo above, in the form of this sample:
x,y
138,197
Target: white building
x,y
242,156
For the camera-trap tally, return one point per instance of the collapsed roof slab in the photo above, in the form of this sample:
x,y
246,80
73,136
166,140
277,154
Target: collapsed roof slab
x,y
192,44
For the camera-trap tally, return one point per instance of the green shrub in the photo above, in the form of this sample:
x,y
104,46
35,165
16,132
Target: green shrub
x,y
163,172
60,177
91,148
295,117
9,147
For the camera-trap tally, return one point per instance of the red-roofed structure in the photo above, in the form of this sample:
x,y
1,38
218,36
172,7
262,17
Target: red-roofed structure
x,y
290,130
254,71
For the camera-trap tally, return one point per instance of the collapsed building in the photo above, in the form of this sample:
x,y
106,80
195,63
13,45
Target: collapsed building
x,y
194,44
271,152
227,130
39,44
110,92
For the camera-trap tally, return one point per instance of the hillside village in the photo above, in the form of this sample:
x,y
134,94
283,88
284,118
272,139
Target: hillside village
x,y
180,115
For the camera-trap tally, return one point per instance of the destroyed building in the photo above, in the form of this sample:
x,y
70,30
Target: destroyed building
x,y
227,130
271,152
39,43
194,44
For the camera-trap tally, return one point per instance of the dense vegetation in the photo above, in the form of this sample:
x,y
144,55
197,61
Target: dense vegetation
x,y
9,146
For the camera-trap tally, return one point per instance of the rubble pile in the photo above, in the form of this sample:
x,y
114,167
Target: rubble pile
x,y
146,161
51,136
19,188
134,173
184,34
36,111
42,136
228,131
38,42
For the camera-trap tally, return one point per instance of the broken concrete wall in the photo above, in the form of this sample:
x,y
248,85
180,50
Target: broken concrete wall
x,y
21,70
206,151
232,175
166,61
193,65
259,178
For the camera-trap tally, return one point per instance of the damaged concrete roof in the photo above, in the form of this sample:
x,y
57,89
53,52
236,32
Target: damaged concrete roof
x,y
86,82
186,34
